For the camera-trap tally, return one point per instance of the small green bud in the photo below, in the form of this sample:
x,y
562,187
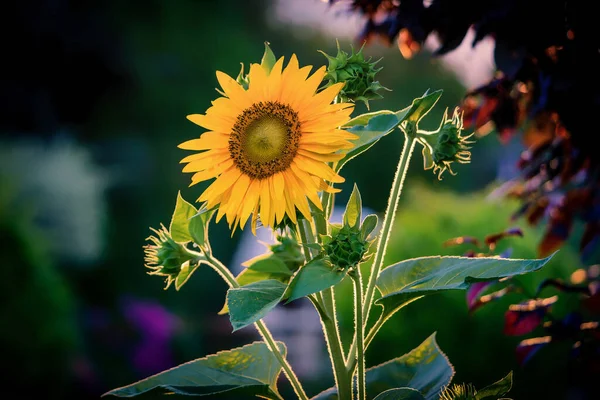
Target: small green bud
x,y
446,145
346,248
358,74
164,256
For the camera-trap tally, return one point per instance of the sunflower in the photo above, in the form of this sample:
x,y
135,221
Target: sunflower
x,y
269,146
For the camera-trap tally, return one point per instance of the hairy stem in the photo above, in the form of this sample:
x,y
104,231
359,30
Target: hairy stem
x,y
361,388
386,230
264,332
343,380
324,302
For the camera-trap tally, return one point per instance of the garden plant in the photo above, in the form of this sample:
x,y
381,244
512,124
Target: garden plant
x,y
275,142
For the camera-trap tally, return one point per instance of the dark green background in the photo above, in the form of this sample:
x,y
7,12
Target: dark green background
x,y
119,78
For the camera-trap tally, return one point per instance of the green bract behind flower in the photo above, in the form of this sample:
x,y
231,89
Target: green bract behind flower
x,y
446,145
165,257
357,73
459,392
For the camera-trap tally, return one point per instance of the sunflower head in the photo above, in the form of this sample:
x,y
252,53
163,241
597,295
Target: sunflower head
x,y
164,256
357,73
446,145
269,139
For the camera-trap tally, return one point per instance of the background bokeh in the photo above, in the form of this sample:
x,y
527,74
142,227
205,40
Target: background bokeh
x,y
93,104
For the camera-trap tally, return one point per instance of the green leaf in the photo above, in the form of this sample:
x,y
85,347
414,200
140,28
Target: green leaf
x,y
496,389
251,370
181,220
353,213
421,106
409,280
425,368
185,273
369,127
198,226
271,265
400,394
319,274
368,225
249,275
268,59
249,303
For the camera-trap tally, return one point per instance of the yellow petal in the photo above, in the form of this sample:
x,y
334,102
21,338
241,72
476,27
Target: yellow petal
x,y
208,141
211,172
265,203
208,161
250,201
211,122
233,90
220,184
317,168
321,157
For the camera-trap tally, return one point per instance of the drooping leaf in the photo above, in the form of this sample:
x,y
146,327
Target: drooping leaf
x,y
198,226
353,213
369,127
496,389
180,220
368,225
400,394
425,368
412,279
246,371
268,59
319,274
249,303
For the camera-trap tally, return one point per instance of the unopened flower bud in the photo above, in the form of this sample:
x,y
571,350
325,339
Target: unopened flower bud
x,y
446,145
164,256
346,248
357,73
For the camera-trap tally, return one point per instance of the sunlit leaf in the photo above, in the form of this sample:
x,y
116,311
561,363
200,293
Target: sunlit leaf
x,y
368,225
271,265
249,303
400,394
369,127
353,213
185,273
425,368
422,105
180,220
317,275
198,227
412,279
496,389
268,59
245,371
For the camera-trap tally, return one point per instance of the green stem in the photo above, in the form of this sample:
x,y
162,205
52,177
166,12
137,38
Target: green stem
x,y
307,237
343,381
386,230
264,332
360,335
325,305
373,331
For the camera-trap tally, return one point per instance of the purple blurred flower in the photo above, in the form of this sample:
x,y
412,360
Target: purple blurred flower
x,y
156,327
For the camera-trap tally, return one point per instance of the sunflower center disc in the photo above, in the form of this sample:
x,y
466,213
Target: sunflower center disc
x,y
265,139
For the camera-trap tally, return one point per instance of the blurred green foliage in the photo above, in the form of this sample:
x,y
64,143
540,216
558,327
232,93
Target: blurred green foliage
x,y
170,52
474,344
